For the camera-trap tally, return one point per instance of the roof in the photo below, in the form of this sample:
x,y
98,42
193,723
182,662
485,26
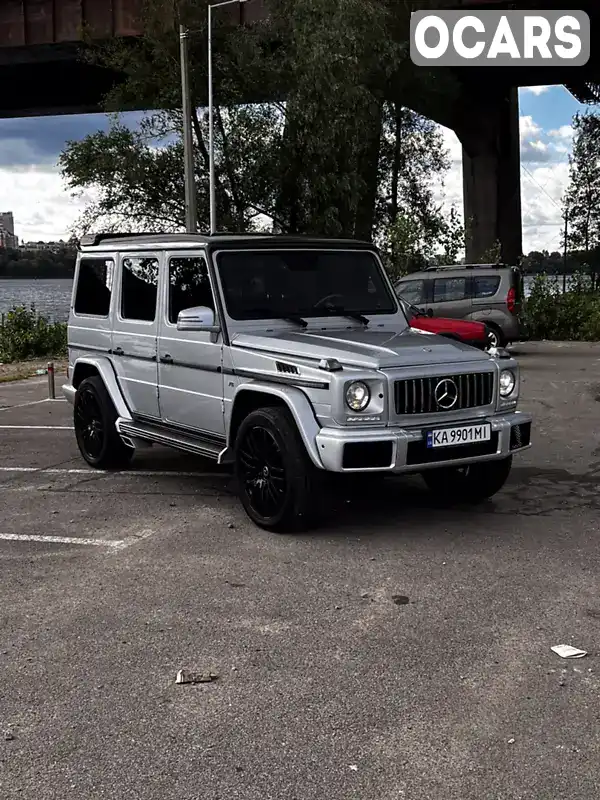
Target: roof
x,y
194,240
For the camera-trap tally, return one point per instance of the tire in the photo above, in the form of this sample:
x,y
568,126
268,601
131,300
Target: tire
x,y
495,337
285,497
94,417
471,484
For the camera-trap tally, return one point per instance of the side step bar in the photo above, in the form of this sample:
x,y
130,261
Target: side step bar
x,y
144,432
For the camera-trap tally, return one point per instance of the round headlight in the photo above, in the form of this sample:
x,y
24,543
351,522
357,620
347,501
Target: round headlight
x,y
507,382
358,396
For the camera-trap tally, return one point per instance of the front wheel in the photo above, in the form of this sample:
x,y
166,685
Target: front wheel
x,y
495,337
473,483
276,478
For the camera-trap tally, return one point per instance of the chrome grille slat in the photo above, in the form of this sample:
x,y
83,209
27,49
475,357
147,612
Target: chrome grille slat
x,y
417,395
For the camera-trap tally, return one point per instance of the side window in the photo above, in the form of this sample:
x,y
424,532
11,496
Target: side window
x,y
94,287
139,289
447,289
189,285
485,285
412,291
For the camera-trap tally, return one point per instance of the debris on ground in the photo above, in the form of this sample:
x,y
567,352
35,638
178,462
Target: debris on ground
x,y
354,767
8,736
187,676
511,741
566,651
400,599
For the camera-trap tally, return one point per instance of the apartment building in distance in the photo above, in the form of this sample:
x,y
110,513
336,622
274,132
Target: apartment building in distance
x,y
7,231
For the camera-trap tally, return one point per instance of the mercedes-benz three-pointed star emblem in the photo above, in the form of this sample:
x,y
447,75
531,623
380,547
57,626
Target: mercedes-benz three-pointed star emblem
x,y
446,394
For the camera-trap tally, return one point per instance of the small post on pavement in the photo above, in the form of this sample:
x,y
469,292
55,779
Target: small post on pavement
x,y
51,385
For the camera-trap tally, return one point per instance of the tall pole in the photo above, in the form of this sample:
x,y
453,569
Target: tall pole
x,y
565,251
191,217
211,129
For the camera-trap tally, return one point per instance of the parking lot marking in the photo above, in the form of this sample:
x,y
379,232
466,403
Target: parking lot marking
x,y
18,537
113,544
38,427
25,405
145,473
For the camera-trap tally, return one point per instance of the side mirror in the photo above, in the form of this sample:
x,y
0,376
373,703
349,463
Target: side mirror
x,y
199,318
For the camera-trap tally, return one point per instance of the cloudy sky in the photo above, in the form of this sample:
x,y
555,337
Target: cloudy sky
x,y
30,184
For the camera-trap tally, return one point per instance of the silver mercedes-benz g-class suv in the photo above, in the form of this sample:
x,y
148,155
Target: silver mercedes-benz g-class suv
x,y
289,357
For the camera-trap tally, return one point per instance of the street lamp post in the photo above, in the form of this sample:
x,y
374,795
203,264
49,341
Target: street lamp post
x,y
211,129
191,216
190,182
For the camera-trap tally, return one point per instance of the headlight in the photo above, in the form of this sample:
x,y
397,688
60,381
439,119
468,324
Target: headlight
x,y
358,396
507,382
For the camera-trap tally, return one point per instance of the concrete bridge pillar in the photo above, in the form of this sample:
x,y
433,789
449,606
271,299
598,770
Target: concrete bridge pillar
x,y
489,134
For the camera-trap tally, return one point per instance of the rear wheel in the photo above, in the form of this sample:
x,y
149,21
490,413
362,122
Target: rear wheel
x,y
473,483
94,417
277,481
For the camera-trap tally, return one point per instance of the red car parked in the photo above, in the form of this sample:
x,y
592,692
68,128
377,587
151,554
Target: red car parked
x,y
474,333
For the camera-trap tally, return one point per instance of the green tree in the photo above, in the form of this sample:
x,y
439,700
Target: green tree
x,y
324,156
582,199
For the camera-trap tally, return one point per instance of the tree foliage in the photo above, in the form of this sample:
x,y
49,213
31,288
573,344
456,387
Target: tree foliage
x,y
312,135
582,200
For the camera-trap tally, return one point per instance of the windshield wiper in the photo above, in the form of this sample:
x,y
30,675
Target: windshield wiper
x,y
268,313
340,311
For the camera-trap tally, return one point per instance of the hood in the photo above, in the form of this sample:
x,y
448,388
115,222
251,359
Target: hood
x,y
364,348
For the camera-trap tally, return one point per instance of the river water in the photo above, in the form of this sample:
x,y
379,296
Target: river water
x,y
52,298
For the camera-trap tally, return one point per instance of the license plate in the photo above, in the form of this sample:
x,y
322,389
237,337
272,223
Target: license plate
x,y
467,434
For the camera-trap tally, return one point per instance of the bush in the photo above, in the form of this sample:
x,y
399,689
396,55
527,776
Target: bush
x,y
571,316
25,335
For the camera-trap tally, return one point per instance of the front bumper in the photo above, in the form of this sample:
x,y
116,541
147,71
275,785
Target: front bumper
x,y
403,449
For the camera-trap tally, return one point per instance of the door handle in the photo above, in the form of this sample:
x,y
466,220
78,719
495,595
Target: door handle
x,y
118,351
167,359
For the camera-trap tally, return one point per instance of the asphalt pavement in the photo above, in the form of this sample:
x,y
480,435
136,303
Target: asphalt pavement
x,y
330,684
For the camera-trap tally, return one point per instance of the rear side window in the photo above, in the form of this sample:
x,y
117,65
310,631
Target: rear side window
x,y
139,290
94,287
485,285
411,291
447,289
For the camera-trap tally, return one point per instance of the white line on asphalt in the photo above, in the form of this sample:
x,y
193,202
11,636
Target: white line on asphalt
x,y
113,544
35,403
24,405
18,537
144,473
38,427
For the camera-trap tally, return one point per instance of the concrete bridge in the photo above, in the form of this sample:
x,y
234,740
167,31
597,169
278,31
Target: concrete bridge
x,y
40,73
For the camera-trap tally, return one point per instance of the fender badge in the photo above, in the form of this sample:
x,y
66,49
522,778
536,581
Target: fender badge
x,y
427,349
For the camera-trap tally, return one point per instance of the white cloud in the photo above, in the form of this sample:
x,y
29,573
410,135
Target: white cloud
x,y
42,208
536,90
564,132
544,178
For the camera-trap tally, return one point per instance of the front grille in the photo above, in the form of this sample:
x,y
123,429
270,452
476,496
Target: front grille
x,y
419,453
418,395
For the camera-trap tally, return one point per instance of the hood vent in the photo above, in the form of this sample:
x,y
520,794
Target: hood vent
x,y
289,369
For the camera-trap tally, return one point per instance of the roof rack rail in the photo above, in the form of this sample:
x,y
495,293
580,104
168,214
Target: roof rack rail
x,y
93,239
465,266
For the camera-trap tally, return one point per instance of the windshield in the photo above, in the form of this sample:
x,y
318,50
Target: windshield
x,y
269,284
